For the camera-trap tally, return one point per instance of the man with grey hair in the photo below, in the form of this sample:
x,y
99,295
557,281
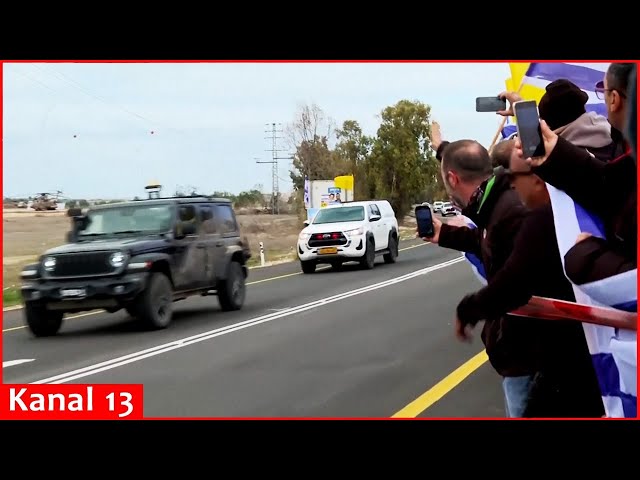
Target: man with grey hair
x,y
490,202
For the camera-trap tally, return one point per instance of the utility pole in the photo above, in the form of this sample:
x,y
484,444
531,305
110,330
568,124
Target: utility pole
x,y
274,164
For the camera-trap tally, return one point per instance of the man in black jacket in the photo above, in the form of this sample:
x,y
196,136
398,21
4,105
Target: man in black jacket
x,y
566,385
490,202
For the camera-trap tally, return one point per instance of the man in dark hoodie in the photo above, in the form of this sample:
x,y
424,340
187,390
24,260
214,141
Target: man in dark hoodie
x,y
563,108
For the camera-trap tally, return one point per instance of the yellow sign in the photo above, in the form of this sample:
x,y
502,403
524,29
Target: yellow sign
x,y
344,182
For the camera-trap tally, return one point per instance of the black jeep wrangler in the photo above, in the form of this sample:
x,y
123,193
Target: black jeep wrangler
x,y
141,256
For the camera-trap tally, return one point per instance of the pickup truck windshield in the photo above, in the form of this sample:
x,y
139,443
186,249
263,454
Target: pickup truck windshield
x,y
341,214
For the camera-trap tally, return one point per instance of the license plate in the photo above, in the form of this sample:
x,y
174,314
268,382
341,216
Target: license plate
x,y
328,251
73,292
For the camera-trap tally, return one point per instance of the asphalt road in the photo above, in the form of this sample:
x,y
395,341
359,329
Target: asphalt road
x,y
333,344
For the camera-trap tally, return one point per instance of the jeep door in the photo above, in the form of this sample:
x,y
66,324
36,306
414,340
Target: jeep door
x,y
229,232
212,241
380,233
190,253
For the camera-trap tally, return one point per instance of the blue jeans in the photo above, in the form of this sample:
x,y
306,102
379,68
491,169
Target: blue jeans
x,y
516,394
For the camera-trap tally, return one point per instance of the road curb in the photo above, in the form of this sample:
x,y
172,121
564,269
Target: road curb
x,y
10,309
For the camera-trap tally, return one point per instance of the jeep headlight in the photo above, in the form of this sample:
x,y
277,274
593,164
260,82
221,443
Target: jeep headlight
x,y
117,259
304,236
49,263
354,232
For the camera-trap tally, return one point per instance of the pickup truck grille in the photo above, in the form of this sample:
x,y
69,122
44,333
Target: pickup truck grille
x,y
330,239
86,264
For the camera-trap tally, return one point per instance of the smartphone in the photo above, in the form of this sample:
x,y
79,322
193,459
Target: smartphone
x,y
490,104
529,132
424,219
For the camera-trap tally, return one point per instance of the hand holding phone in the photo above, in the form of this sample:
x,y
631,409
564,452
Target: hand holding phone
x,y
529,131
424,219
490,104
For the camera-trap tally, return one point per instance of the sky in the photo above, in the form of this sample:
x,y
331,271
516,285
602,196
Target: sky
x,y
105,130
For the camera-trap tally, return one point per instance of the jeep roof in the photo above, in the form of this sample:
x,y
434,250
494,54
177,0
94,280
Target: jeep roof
x,y
156,201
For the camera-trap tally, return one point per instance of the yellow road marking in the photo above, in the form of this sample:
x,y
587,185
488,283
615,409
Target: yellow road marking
x,y
443,387
250,283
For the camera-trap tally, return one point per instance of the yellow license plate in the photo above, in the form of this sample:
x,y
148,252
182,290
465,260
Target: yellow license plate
x,y
328,251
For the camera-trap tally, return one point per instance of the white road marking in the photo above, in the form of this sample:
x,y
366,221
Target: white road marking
x,y
167,347
11,363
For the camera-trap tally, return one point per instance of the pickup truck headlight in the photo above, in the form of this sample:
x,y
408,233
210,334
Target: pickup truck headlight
x,y
354,232
304,236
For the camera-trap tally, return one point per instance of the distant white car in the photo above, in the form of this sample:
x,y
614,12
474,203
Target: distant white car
x,y
437,207
351,231
448,209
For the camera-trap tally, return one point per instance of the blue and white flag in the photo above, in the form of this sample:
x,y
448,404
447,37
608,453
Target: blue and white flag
x,y
614,351
307,199
476,263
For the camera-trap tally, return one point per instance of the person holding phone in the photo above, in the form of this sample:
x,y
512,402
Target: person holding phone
x,y
511,343
609,190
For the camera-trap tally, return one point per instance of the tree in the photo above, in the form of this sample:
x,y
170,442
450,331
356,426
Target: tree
x,y
309,135
354,149
402,163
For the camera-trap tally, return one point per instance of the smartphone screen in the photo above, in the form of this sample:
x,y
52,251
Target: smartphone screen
x,y
424,221
490,104
528,123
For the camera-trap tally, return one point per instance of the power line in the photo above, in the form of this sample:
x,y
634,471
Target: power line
x,y
80,88
275,187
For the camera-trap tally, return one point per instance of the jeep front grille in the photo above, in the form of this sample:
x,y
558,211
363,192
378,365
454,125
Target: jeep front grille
x,y
86,264
330,239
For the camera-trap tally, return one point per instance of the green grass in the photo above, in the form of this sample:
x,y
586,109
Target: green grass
x,y
11,297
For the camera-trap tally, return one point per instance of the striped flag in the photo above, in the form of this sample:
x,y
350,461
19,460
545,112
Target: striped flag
x,y
307,199
476,263
614,351
584,75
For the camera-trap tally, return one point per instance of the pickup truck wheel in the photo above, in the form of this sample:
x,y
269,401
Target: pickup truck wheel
x,y
393,251
42,322
153,308
369,259
231,292
308,266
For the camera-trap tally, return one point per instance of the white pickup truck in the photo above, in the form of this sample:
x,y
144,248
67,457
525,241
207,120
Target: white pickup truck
x,y
351,231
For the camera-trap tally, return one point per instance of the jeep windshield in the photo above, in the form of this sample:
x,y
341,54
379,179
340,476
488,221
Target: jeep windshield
x,y
340,214
127,219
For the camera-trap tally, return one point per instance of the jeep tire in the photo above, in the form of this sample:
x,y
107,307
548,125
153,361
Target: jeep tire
x,y
232,290
308,266
154,307
42,322
393,250
368,260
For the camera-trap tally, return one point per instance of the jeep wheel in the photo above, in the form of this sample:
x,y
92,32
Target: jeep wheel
x,y
369,258
393,251
231,292
153,308
308,266
42,322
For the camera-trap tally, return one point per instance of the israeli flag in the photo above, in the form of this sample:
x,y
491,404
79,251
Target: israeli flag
x,y
307,200
614,351
476,263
